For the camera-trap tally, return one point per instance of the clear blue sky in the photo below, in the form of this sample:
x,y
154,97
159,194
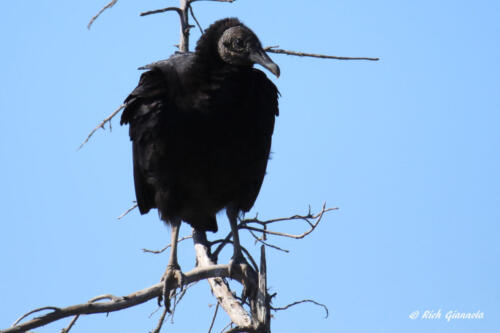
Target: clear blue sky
x,y
408,148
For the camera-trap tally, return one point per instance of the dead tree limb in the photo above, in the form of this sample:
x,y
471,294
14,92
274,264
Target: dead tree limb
x,y
213,318
261,307
274,49
161,320
219,286
206,269
109,5
183,11
115,303
166,247
244,224
286,307
256,319
101,125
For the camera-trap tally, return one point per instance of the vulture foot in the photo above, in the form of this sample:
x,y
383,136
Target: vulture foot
x,y
172,278
240,269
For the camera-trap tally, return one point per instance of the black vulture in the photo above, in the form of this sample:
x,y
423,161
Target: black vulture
x,y
201,126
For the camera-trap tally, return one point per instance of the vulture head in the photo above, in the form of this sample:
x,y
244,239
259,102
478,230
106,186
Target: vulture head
x,y
233,43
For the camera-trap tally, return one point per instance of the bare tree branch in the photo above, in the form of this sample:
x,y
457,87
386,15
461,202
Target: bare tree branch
x,y
224,242
240,329
71,324
300,302
178,298
228,325
53,308
213,319
276,233
195,19
219,287
273,49
115,303
261,305
183,11
109,5
127,211
163,10
166,247
257,239
206,269
101,125
95,299
185,27
305,217
258,320
317,217
161,321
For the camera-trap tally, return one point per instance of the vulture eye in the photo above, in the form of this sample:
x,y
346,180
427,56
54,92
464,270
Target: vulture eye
x,y
238,44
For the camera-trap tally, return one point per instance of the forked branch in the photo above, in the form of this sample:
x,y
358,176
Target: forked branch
x,y
114,303
101,125
206,269
255,319
312,221
183,11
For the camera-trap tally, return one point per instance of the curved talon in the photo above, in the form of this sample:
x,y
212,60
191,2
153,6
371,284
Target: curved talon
x,y
172,278
241,266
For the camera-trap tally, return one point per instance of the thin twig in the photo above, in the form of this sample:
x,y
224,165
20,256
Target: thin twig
x,y
160,322
166,247
163,10
223,242
273,49
155,311
318,217
257,239
108,297
70,325
249,256
101,125
243,249
195,19
53,308
93,300
109,5
172,311
276,233
213,319
127,211
300,302
178,298
228,325
240,329
309,215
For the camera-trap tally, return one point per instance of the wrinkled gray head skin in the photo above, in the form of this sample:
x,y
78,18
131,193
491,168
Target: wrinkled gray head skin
x,y
239,46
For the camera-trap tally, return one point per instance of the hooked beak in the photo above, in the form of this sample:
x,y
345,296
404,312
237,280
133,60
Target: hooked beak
x,y
260,57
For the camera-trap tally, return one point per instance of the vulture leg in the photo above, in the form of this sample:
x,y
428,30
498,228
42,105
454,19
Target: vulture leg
x,y
238,263
173,276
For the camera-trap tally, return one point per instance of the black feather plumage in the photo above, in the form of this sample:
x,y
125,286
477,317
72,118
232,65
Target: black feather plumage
x,y
201,128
